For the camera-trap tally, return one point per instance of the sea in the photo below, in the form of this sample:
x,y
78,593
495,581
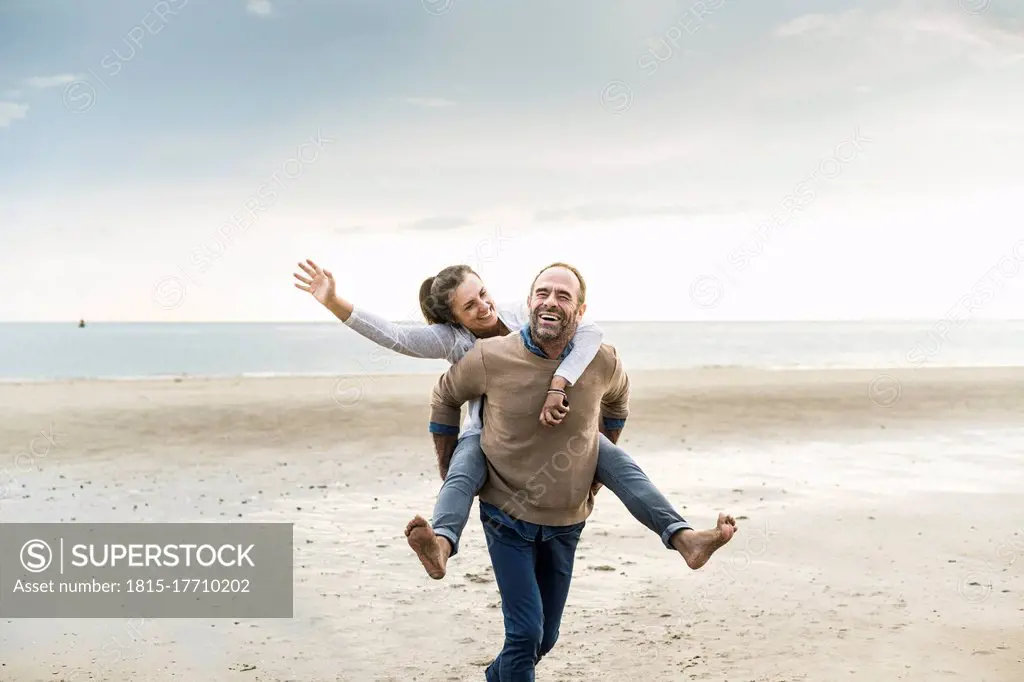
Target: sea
x,y
126,351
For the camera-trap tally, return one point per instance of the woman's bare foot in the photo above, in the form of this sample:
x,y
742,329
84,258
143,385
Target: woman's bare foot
x,y
697,546
433,551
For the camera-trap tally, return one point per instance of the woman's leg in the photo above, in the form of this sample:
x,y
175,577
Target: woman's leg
x,y
467,474
624,477
436,542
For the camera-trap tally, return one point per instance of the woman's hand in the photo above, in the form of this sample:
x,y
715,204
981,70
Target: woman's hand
x,y
555,408
320,282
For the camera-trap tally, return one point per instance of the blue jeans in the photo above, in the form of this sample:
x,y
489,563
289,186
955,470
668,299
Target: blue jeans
x,y
616,470
533,569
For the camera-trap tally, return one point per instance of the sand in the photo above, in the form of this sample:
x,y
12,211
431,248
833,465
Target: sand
x,y
881,532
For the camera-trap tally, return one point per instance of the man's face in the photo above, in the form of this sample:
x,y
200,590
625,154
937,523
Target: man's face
x,y
554,313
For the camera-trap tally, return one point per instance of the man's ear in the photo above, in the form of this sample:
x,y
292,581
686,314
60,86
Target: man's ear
x,y
583,309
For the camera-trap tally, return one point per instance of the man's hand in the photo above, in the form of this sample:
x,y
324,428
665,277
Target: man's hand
x,y
444,448
613,436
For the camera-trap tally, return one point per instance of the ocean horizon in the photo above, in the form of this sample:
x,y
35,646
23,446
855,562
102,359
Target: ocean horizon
x,y
49,351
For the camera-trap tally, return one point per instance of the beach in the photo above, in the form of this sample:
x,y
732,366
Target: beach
x,y
881,529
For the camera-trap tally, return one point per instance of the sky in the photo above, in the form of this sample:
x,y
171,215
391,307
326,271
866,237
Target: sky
x,y
710,160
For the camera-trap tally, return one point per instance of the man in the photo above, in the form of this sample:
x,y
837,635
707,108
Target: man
x,y
538,494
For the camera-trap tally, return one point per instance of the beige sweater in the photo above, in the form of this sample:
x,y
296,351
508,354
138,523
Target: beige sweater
x,y
536,473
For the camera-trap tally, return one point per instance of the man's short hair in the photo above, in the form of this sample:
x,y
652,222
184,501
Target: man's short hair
x,y
583,282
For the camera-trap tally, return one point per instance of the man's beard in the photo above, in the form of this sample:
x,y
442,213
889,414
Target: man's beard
x,y
548,333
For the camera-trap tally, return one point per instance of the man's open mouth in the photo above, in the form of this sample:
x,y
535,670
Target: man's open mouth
x,y
548,317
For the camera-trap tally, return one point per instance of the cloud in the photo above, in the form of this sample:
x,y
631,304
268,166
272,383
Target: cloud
x,y
986,44
11,111
440,223
351,229
818,24
601,212
42,82
931,34
431,102
12,94
259,7
871,55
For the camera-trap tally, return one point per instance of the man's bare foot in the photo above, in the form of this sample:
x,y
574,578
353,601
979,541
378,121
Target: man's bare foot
x,y
432,550
697,546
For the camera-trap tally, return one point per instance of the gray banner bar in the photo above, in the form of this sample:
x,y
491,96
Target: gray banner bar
x,y
146,570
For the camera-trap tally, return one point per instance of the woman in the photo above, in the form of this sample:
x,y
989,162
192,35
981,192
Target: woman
x,y
459,310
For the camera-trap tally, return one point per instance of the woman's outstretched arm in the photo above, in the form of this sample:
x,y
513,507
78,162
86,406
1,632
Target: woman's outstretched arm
x,y
415,340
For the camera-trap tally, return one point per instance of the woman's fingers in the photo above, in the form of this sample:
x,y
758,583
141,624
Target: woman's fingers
x,y
304,288
302,279
553,416
307,269
554,411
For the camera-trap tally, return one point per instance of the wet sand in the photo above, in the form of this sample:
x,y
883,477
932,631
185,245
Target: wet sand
x,y
881,530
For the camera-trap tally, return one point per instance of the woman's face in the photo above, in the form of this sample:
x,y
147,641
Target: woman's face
x,y
473,308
